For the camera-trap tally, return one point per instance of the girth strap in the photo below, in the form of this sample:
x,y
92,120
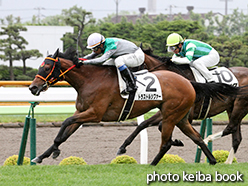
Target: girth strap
x,y
205,107
127,108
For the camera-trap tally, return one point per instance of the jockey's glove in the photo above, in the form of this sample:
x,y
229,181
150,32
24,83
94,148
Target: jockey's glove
x,y
80,62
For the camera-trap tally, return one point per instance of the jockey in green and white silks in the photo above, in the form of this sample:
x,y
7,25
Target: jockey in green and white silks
x,y
195,53
118,52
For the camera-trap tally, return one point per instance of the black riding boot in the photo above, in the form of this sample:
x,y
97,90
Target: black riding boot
x,y
129,78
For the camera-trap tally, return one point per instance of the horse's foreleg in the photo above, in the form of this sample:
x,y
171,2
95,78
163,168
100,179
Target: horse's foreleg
x,y
65,131
236,140
162,152
167,129
153,121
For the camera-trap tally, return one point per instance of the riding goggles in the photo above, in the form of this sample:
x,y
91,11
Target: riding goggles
x,y
95,49
173,48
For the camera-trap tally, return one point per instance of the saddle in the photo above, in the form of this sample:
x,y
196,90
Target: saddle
x,y
148,86
220,74
148,89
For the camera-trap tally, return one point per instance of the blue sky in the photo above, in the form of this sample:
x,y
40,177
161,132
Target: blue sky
x,y
101,8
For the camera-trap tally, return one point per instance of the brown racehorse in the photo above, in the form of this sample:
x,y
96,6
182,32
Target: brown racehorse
x,y
99,100
237,108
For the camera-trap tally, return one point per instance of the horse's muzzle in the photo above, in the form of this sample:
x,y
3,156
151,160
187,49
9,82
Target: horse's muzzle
x,y
35,90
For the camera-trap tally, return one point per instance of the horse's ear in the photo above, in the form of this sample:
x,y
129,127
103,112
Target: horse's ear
x,y
55,55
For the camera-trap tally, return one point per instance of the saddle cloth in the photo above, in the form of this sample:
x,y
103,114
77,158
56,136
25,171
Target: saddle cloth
x,y
220,74
148,86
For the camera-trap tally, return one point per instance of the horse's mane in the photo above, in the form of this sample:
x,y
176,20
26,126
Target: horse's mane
x,y
70,54
164,59
149,52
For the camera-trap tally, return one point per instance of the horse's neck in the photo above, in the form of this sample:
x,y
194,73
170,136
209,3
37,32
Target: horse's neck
x,y
79,77
74,76
183,70
155,64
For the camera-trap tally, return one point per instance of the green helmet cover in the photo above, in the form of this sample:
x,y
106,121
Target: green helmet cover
x,y
174,39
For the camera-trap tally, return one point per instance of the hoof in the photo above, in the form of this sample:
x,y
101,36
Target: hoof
x,y
121,151
213,162
36,160
153,163
178,143
56,153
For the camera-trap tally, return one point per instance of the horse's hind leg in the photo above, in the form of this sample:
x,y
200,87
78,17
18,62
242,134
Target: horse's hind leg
x,y
236,140
152,121
189,131
235,114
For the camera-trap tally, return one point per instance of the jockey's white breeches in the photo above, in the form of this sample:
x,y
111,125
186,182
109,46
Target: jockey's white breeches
x,y
131,60
209,60
203,62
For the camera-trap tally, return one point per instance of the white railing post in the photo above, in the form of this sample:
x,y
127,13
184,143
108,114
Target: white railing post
x,y
143,142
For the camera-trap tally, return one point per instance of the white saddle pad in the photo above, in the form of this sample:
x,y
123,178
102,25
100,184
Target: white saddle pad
x,y
148,86
220,74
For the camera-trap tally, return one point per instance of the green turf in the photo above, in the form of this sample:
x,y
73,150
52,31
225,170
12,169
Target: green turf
x,y
45,118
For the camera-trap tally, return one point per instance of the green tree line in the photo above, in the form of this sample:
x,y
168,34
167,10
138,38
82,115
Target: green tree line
x,y
227,34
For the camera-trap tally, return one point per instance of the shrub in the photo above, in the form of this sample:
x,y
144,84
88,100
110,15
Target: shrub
x,y
12,160
221,156
170,158
124,159
73,160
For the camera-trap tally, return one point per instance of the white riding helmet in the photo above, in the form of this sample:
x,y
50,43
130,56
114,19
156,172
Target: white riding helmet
x,y
94,40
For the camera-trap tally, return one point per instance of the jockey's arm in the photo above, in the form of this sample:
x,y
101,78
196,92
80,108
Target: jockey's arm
x,y
180,60
91,55
100,60
188,56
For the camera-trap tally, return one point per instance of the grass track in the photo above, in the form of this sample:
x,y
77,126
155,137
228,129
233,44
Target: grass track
x,y
121,175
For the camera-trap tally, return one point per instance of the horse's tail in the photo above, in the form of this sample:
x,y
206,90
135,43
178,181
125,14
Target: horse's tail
x,y
217,90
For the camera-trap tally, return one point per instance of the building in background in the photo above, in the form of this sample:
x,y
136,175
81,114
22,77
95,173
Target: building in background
x,y
152,6
152,15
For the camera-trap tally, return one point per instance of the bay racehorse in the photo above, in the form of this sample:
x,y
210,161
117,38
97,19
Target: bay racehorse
x,y
99,99
236,107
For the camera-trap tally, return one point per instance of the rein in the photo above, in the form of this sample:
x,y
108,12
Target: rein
x,y
63,73
174,65
153,68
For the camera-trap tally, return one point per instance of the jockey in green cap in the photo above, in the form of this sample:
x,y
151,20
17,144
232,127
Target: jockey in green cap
x,y
195,53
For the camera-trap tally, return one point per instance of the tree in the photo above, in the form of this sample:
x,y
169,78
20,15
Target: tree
x,y
26,54
56,20
10,20
78,18
231,50
11,44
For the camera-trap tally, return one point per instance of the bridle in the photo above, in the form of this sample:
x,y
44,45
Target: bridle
x,y
55,75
